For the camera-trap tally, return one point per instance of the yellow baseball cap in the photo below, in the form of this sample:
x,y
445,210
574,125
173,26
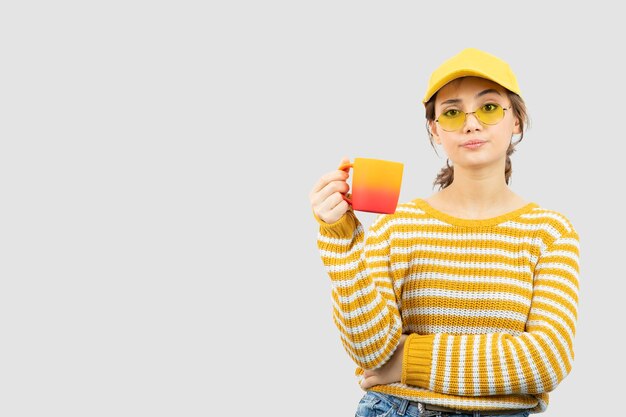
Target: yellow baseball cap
x,y
472,62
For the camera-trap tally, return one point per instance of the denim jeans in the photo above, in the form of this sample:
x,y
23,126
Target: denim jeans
x,y
376,404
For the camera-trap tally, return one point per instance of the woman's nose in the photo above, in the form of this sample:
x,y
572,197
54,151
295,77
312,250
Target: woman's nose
x,y
471,122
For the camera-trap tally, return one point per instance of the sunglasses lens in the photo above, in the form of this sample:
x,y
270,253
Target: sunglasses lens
x,y
490,114
451,120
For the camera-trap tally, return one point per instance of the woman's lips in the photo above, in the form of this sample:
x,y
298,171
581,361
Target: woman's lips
x,y
473,144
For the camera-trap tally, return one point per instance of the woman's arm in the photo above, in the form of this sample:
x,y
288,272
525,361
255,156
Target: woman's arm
x,y
364,303
499,363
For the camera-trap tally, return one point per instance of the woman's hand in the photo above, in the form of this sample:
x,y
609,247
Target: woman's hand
x,y
389,373
327,195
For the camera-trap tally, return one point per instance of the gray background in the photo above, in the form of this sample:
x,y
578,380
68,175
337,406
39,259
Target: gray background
x,y
157,248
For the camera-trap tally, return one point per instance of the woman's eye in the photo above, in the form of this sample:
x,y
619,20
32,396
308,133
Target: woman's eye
x,y
451,113
489,107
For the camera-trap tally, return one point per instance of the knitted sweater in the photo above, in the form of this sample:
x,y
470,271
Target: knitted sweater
x,y
490,306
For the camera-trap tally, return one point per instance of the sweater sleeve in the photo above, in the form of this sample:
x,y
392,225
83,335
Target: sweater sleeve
x,y
364,303
498,363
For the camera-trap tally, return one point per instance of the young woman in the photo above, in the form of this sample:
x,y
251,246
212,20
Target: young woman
x,y
463,303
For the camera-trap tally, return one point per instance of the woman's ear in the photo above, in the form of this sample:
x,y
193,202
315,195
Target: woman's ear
x,y
432,126
517,128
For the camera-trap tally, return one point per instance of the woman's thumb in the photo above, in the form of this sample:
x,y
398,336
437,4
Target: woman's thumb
x,y
344,161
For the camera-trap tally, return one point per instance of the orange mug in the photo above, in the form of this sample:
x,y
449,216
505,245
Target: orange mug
x,y
375,185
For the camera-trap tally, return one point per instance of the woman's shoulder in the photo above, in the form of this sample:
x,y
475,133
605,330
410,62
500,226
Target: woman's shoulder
x,y
553,217
555,222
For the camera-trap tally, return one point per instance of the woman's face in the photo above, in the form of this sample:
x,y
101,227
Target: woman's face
x,y
467,95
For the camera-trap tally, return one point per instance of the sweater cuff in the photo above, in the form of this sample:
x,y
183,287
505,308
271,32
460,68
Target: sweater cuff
x,y
342,228
417,360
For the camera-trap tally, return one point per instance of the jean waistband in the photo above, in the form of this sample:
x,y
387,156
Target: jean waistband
x,y
427,410
452,411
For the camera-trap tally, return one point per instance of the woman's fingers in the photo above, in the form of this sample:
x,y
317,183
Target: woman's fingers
x,y
370,381
326,197
331,188
327,179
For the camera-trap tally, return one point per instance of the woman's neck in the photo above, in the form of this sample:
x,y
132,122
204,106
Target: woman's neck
x,y
476,198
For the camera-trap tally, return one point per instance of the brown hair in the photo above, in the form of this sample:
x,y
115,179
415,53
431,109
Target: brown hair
x,y
446,175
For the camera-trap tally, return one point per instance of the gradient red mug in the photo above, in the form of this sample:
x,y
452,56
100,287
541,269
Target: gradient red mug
x,y
375,185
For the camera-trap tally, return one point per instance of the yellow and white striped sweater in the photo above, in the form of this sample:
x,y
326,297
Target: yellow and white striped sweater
x,y
490,305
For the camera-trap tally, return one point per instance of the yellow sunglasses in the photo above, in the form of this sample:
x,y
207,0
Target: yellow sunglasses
x,y
489,114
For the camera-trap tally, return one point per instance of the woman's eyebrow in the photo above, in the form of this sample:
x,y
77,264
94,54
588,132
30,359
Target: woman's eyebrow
x,y
451,101
489,90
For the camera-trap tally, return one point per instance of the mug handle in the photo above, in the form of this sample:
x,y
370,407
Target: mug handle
x,y
346,167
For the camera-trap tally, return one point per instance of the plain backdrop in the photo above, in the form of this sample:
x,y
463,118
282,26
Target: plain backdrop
x,y
157,246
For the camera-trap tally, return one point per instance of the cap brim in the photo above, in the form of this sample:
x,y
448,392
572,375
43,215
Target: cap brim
x,y
459,74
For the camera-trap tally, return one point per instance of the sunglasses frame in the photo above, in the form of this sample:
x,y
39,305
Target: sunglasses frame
x,y
477,118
